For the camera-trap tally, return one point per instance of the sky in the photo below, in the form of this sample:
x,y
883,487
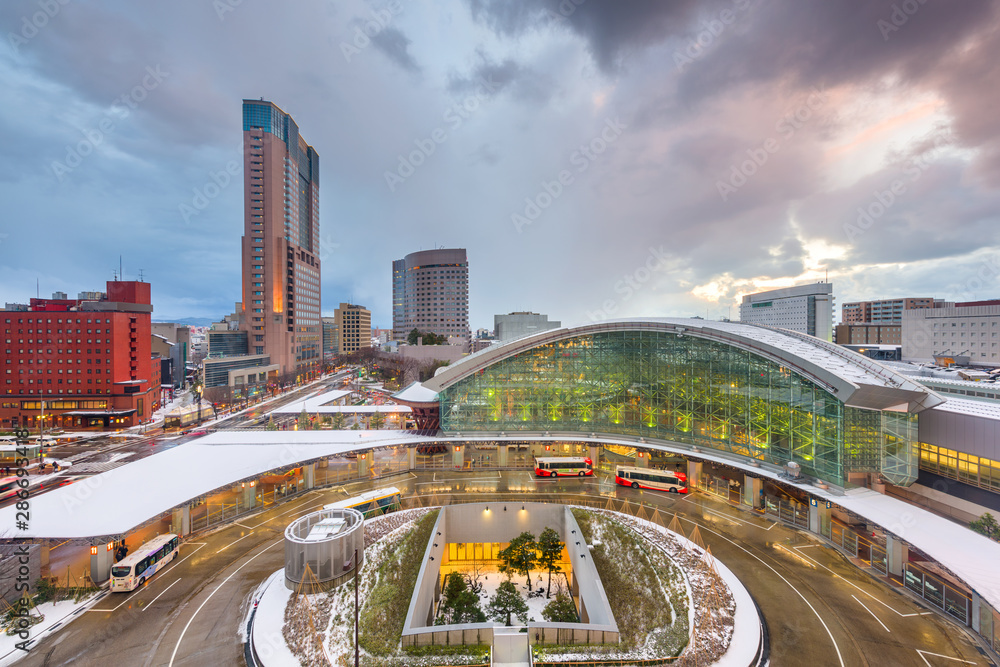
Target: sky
x,y
597,159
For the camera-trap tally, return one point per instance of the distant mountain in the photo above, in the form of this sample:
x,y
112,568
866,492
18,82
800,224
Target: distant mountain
x,y
192,321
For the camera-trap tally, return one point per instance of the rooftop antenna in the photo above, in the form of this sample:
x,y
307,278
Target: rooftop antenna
x,y
140,275
38,292
121,274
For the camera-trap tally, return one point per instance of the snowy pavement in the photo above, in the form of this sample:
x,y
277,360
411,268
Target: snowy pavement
x,y
56,614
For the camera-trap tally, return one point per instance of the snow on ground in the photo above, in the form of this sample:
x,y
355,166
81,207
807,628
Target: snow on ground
x,y
492,578
55,613
268,640
746,631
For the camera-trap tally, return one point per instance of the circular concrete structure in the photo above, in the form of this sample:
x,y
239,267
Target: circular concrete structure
x,y
319,548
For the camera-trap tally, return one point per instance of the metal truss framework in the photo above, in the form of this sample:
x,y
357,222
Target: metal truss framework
x,y
686,389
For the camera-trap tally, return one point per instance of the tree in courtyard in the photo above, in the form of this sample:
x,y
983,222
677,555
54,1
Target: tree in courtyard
x,y
270,424
986,525
519,556
304,420
549,551
460,605
506,602
377,420
338,421
562,609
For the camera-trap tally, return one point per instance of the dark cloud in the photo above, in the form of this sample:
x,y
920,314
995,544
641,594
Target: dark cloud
x,y
523,83
395,45
612,30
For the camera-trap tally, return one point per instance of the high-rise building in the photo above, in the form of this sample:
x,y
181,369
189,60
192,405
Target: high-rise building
x,y
354,324
961,332
81,364
807,309
331,338
281,265
518,324
430,293
883,311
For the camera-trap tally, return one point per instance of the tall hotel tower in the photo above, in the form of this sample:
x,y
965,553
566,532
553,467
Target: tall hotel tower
x,y
430,292
281,267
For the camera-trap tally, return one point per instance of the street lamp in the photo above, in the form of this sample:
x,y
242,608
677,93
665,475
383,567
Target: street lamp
x,y
347,566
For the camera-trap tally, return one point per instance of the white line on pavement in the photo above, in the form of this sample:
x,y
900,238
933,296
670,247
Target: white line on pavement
x,y
234,542
923,657
205,601
870,612
158,596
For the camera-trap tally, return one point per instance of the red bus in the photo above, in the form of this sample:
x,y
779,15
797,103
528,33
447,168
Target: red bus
x,y
563,466
648,478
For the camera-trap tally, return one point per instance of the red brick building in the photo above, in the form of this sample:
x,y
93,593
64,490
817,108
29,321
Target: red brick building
x,y
80,363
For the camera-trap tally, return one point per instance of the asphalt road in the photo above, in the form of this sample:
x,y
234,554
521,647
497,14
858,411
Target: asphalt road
x,y
820,609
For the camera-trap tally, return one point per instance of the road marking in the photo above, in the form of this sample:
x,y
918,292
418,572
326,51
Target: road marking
x,y
923,657
297,509
870,612
459,479
237,523
234,542
205,601
199,545
158,596
771,526
778,574
51,549
851,583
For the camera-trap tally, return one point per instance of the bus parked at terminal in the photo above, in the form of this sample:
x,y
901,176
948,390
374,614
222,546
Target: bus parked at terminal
x,y
132,571
371,503
649,478
563,466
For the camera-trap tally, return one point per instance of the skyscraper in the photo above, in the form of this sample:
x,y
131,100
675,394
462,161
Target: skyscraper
x,y
430,292
281,266
807,309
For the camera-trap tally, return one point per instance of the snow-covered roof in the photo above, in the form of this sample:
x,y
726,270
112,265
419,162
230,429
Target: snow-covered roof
x,y
417,393
313,404
971,556
853,378
963,406
117,501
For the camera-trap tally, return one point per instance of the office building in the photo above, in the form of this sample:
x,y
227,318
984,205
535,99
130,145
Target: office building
x,y
281,265
953,333
331,338
807,309
519,324
80,364
430,293
354,324
884,311
868,334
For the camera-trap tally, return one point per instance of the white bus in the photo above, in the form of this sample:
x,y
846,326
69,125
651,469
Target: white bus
x,y
649,478
132,571
563,466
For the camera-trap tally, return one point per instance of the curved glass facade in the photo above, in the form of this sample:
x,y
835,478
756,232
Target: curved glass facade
x,y
684,389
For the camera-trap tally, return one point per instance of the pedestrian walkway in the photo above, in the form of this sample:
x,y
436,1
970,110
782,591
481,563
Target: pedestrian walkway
x,y
510,647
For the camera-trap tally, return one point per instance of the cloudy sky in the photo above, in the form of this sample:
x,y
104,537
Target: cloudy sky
x,y
596,158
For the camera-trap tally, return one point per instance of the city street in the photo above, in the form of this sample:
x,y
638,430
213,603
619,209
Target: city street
x,y
820,609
